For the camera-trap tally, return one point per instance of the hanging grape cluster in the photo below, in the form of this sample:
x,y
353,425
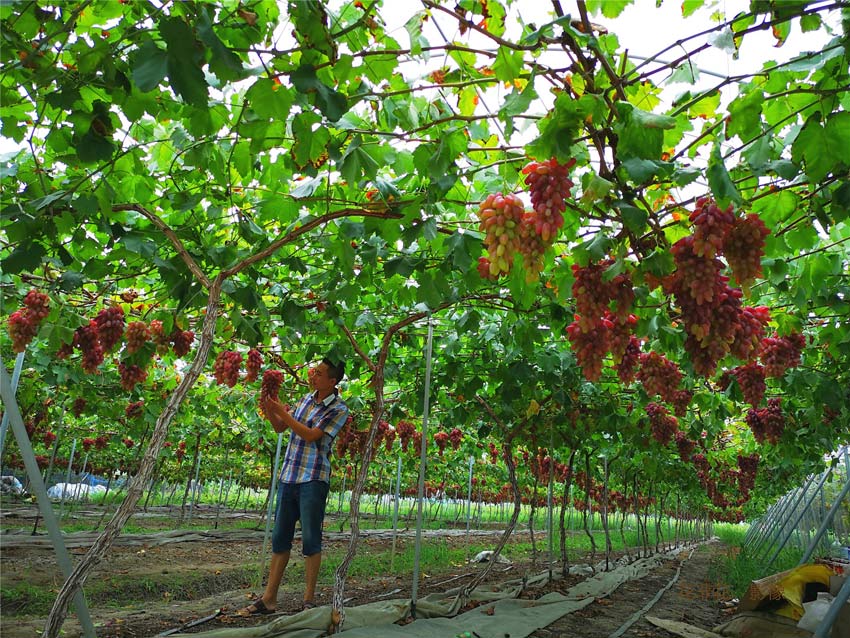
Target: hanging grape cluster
x,y
442,440
685,446
455,438
750,378
226,367
778,354
23,324
137,335
131,374
110,327
715,320
406,433
662,424
767,424
253,365
270,385
510,230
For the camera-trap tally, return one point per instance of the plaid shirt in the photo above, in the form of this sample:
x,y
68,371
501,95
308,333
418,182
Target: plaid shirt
x,y
305,461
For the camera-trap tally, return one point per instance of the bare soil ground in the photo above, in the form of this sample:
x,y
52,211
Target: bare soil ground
x,y
144,589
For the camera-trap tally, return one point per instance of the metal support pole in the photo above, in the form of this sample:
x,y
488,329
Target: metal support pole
x,y
827,521
834,609
423,462
67,478
195,488
37,484
797,519
769,519
16,375
272,492
395,512
781,517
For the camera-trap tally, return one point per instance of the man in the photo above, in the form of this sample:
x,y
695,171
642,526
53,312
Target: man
x,y
304,479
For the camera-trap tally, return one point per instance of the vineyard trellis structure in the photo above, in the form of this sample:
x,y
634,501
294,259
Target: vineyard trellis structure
x,y
641,298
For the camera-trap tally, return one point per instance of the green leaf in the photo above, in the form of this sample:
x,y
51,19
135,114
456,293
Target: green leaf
x,y
414,31
633,217
508,64
719,181
462,247
689,7
184,71
744,119
311,28
823,149
518,102
331,103
223,62
151,65
641,170
269,100
686,73
94,148
24,258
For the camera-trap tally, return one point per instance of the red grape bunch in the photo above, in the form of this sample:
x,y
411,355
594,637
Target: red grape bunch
x,y
620,335
532,247
626,368
549,186
455,437
270,385
711,224
778,354
110,327
663,425
131,374
685,446
591,293
748,466
590,345
484,269
751,380
226,367
406,433
23,324
137,335
767,424
743,248
442,440
86,339
659,375
78,407
134,409
160,339
500,217
252,367
182,340
749,331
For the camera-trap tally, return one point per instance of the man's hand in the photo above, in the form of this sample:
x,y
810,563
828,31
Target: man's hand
x,y
274,412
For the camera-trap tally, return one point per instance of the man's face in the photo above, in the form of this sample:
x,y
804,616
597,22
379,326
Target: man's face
x,y
321,378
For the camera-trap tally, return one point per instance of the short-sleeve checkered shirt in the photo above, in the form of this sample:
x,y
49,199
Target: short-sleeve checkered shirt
x,y
305,461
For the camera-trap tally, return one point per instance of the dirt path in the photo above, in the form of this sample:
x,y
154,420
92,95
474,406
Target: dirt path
x,y
695,599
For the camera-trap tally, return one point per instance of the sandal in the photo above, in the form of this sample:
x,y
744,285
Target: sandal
x,y
256,607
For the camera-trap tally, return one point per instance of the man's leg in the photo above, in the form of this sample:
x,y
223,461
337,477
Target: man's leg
x,y
311,573
278,566
313,497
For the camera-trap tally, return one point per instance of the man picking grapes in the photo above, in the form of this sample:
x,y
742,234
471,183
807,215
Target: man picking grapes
x,y
304,478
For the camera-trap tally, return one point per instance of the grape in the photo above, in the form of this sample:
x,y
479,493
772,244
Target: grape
x,y
270,385
455,437
86,339
484,269
21,330
767,424
743,248
620,335
48,438
252,367
389,439
549,187
778,354
406,432
37,306
590,346
160,339
183,342
88,443
659,375
751,379
663,426
134,409
532,247
110,327
442,440
137,335
500,217
101,442
591,293
749,332
131,374
128,442
711,224
78,407
680,400
226,368
65,351
695,275
629,362
685,446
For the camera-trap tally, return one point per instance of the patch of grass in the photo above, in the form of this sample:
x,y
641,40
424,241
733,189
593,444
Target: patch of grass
x,y
26,599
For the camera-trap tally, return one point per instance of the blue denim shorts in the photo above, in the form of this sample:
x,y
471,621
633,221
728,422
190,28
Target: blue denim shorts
x,y
304,502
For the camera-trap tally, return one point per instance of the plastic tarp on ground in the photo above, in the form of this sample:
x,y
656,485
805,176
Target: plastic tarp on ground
x,y
500,613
